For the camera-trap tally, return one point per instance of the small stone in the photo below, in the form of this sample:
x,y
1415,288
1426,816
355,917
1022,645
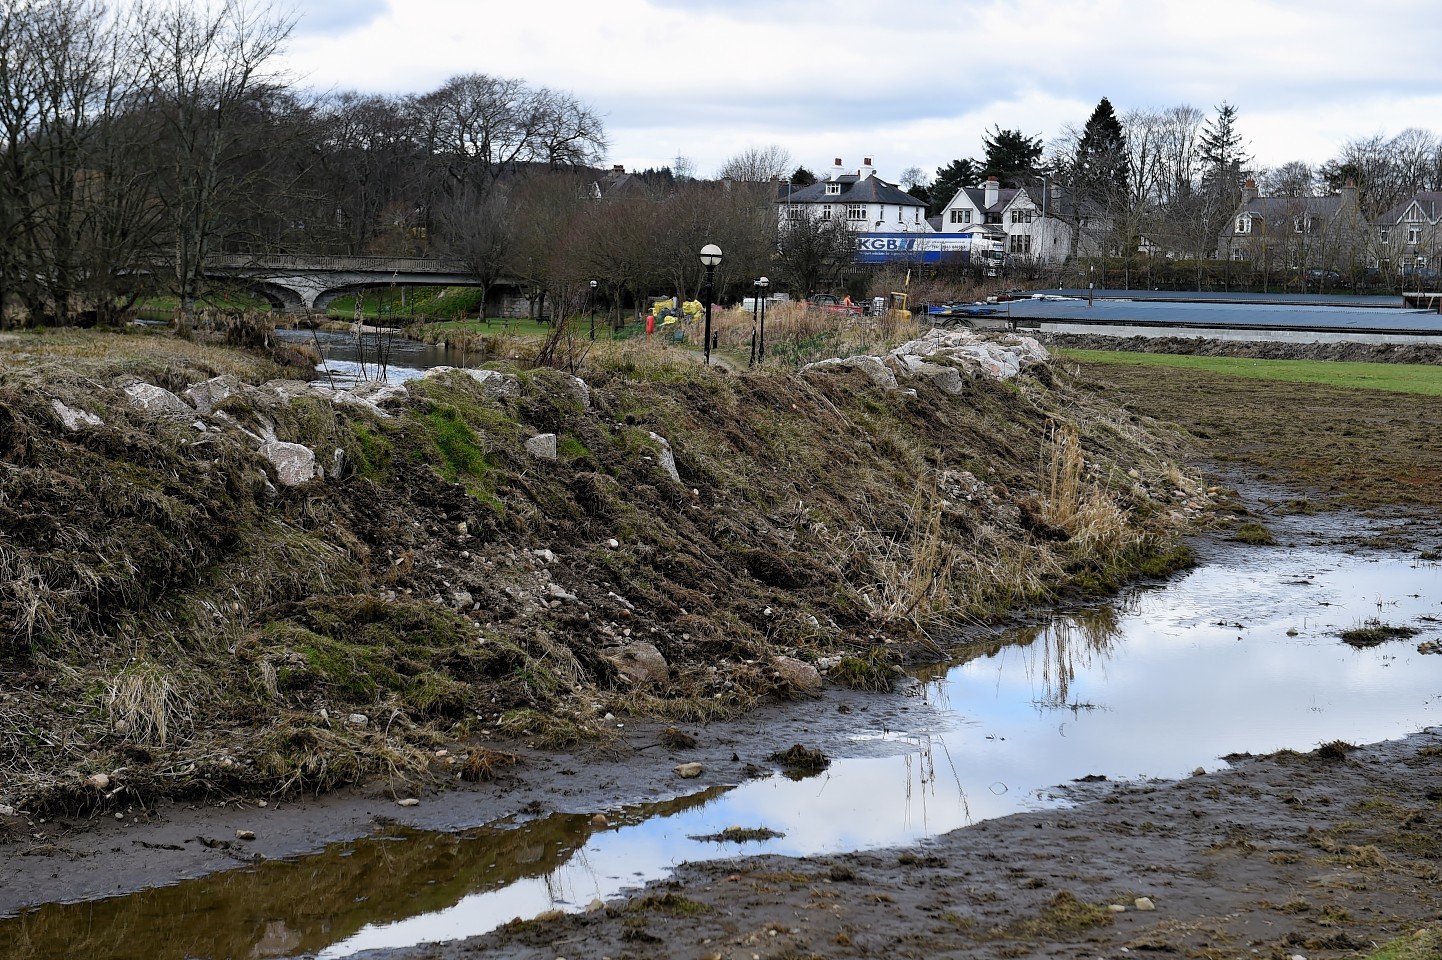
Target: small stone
x,y
261,803
408,802
120,816
358,720
1117,908
595,906
245,834
1199,772
6,810
122,727
97,781
689,771
613,543
542,446
599,820
1144,903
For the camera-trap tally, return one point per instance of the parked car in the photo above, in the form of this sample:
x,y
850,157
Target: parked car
x,y
835,304
1317,277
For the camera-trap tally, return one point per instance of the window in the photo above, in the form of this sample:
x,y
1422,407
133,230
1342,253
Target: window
x,y
826,211
961,216
1022,216
1239,254
1414,235
1244,225
856,211
899,212
794,212
1021,243
833,189
1383,234
993,217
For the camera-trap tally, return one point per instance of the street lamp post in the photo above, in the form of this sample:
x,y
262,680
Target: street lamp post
x,y
593,311
710,259
755,306
763,283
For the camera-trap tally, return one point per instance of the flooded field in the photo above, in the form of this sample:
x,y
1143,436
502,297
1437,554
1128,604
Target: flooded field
x,y
1241,655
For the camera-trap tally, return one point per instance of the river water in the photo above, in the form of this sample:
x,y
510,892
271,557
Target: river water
x,y
1240,655
347,358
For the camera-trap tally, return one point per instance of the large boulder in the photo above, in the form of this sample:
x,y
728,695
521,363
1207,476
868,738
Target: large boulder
x,y
294,463
157,400
639,663
879,373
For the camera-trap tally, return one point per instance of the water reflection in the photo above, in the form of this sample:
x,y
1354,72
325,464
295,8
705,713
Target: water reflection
x,y
347,358
1241,655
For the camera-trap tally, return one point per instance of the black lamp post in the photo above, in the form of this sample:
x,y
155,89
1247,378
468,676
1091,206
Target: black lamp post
x,y
710,258
593,311
763,283
755,306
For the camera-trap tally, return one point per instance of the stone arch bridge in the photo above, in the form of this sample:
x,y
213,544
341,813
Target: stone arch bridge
x,y
298,284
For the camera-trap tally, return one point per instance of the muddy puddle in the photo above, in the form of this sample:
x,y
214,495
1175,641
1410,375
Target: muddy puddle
x,y
1241,655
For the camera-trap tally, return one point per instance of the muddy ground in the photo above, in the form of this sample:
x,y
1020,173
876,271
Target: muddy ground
x,y
1317,856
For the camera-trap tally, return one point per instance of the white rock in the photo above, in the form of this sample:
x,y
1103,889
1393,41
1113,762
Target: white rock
x,y
72,419
245,834
6,810
595,906
462,599
581,390
153,399
545,555
208,394
358,720
879,373
542,446
613,543
294,462
1117,908
667,458
559,592
493,382
689,771
337,463
1144,903
408,802
97,781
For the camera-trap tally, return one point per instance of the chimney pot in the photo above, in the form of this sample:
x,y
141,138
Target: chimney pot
x,y
866,161
838,162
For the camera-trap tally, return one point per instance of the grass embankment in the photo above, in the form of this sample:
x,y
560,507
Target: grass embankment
x,y
175,621
1361,435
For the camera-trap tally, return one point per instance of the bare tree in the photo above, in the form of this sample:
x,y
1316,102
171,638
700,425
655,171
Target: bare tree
x,y
811,251
756,164
204,65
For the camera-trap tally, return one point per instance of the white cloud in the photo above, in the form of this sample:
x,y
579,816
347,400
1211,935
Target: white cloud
x,y
910,83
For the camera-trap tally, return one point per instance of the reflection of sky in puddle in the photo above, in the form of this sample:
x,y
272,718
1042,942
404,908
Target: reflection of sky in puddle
x,y
1166,681
344,362
1169,680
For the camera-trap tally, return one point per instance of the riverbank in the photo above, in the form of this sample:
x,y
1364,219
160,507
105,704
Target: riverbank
x,y
220,582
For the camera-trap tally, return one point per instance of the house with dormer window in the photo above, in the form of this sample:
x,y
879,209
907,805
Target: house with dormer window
x,y
1040,222
1287,233
867,203
1408,238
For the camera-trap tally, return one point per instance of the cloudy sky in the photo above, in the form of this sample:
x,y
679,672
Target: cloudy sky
x,y
906,82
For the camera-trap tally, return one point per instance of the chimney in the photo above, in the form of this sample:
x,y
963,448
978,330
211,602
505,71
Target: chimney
x,y
993,190
836,170
618,168
1249,190
1349,193
867,169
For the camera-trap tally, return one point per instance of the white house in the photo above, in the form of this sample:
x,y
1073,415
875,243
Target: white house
x,y
1041,222
867,203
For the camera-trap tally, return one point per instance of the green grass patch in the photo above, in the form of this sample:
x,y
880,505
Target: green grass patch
x,y
1416,378
1425,944
1372,632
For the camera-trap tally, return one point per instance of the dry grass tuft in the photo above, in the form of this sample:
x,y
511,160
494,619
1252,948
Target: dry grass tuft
x,y
483,763
145,704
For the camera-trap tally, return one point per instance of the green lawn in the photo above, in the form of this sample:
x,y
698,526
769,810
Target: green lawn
x,y
1392,377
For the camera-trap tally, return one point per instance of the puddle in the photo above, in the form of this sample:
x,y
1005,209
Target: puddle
x,y
1241,655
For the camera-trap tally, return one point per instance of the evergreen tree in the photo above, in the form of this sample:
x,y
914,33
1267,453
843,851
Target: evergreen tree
x,y
1101,157
801,177
1011,156
950,179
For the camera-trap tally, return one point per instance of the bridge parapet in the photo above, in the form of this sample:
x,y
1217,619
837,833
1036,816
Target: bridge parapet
x,y
292,264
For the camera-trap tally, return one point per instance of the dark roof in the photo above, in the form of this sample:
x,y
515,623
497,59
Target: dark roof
x,y
854,189
977,195
1430,200
1279,208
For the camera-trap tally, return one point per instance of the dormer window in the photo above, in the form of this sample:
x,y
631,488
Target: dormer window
x,y
833,189
960,216
1244,225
